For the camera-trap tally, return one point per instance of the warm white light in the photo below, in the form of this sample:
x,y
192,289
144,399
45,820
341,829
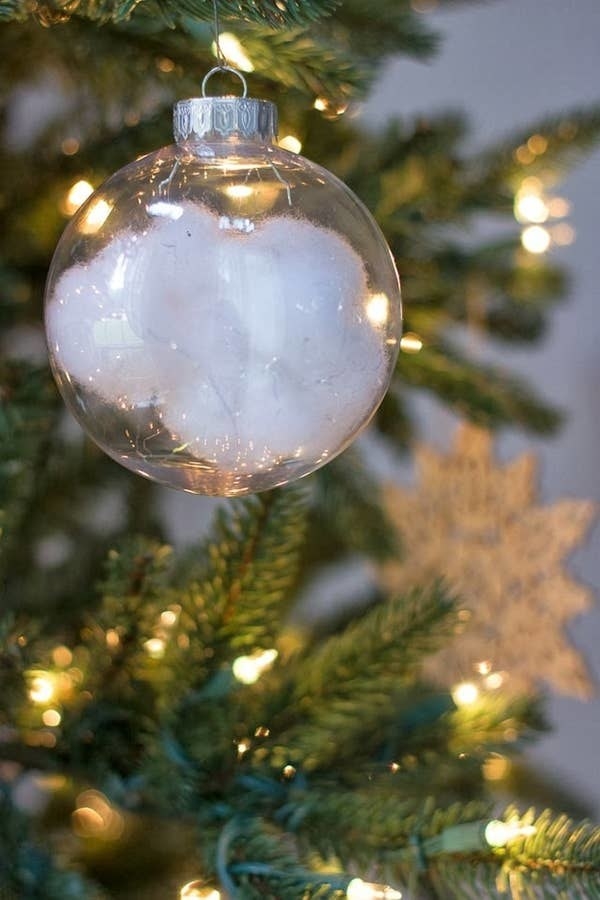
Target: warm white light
x,y
494,680
95,217
484,667
465,693
168,618
155,647
530,207
535,239
364,890
563,234
112,638
291,143
239,191
321,104
248,669
41,689
559,207
233,52
62,656
499,834
195,890
411,343
95,816
377,309
51,718
78,194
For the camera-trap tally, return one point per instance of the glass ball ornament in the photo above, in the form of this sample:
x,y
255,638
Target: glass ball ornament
x,y
223,316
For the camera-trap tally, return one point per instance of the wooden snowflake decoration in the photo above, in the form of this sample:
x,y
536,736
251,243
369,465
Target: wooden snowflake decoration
x,y
477,524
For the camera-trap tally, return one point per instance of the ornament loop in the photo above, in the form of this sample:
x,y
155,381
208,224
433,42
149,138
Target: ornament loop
x,y
224,69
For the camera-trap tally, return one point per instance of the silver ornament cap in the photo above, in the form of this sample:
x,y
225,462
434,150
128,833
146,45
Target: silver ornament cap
x,y
224,118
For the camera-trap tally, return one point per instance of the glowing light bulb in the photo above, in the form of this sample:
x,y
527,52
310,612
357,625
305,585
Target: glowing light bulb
x,y
530,207
62,656
78,194
291,143
95,816
499,834
321,104
168,618
196,890
41,689
155,648
248,669
484,667
411,343
233,52
465,693
377,309
51,718
494,680
535,239
364,890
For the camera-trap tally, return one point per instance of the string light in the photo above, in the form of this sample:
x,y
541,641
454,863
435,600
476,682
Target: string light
x,y
112,638
94,816
321,104
411,343
290,142
365,890
62,657
41,689
465,693
499,834
155,648
233,52
494,680
248,669
76,195
51,718
196,890
530,207
535,239
168,618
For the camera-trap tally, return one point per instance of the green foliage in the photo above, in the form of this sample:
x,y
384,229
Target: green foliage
x,y
168,12
560,859
339,755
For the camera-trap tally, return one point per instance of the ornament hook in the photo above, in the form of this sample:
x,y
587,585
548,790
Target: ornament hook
x,y
221,68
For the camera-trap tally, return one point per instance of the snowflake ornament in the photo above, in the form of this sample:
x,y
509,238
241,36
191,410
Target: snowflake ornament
x,y
477,524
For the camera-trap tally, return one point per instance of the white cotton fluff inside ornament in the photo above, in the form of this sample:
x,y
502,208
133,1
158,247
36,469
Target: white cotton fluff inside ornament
x,y
223,316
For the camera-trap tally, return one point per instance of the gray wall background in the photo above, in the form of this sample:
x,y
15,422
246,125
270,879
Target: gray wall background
x,y
507,64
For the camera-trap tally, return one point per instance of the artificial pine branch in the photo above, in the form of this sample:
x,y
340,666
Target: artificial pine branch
x,y
483,394
168,12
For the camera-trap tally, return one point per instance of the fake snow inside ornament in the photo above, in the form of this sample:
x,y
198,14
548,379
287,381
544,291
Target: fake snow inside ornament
x,y
222,315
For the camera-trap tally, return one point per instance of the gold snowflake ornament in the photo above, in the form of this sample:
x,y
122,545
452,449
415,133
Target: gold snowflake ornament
x,y
477,525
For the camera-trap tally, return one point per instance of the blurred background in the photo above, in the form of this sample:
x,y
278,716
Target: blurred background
x,y
505,64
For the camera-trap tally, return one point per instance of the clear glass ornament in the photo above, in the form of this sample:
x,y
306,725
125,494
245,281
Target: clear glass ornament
x,y
223,316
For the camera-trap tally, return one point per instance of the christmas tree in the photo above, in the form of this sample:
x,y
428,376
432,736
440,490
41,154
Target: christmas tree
x,y
167,729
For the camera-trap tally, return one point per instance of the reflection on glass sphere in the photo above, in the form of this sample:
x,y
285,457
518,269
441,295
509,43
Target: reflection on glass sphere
x,y
223,316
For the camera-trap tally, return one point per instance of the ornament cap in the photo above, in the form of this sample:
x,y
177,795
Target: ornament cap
x,y
222,118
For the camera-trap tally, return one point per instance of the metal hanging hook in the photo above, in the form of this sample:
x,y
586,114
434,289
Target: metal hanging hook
x,y
224,69
222,65
220,56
